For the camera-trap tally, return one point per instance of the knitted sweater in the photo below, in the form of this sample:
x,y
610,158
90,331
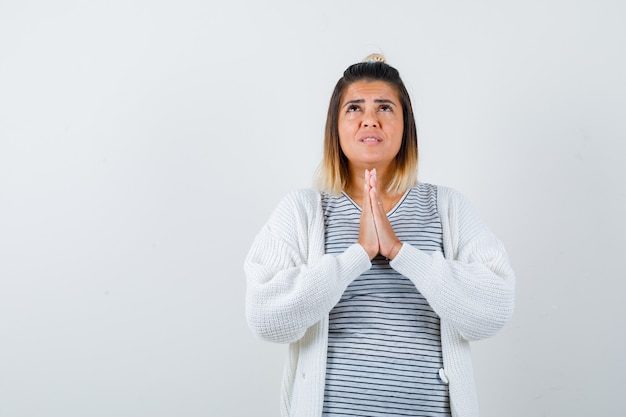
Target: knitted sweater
x,y
292,285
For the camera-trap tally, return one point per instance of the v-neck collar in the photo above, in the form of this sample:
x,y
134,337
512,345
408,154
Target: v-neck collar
x,y
390,212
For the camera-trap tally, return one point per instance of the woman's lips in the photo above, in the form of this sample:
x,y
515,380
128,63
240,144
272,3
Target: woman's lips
x,y
370,139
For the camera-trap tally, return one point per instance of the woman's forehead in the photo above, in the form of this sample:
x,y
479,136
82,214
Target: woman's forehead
x,y
369,90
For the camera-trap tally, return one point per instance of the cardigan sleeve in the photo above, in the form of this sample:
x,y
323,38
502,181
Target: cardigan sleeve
x,y
473,286
291,284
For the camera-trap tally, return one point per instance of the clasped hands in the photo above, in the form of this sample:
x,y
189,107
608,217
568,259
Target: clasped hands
x,y
375,232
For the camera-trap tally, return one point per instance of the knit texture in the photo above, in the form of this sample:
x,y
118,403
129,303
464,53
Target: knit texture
x,y
292,286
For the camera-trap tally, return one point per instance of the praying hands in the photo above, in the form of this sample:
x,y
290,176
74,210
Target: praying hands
x,y
376,234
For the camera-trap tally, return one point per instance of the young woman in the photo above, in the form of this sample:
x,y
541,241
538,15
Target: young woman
x,y
377,281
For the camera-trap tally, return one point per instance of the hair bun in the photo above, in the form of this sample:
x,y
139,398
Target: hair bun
x,y
371,58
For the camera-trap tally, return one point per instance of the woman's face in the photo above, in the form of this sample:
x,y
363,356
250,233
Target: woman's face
x,y
370,124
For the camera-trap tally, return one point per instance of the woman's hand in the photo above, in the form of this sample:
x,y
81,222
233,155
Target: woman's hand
x,y
368,238
376,234
388,243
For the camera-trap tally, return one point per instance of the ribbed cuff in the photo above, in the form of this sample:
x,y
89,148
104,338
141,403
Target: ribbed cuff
x,y
353,262
413,263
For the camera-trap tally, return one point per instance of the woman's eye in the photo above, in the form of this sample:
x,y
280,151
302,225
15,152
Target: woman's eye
x,y
385,108
353,108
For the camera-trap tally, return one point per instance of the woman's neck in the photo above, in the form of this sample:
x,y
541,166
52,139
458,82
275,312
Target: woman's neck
x,y
357,184
357,179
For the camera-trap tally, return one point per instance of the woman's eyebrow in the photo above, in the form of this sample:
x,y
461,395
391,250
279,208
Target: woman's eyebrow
x,y
356,101
377,101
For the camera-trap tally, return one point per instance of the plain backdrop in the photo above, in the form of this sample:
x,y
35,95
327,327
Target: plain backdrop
x,y
143,144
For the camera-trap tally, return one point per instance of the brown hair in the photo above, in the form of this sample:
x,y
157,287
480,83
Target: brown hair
x,y
333,175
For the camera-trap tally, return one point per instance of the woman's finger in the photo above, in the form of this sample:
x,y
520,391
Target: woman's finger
x,y
367,228
388,242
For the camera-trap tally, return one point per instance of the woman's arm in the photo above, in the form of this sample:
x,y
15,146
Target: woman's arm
x,y
291,285
473,288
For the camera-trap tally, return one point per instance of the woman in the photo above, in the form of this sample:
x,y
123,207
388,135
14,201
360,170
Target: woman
x,y
376,281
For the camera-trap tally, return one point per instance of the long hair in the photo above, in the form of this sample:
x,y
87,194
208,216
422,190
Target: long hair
x,y
333,175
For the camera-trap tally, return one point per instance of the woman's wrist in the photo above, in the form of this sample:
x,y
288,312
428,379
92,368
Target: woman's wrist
x,y
395,249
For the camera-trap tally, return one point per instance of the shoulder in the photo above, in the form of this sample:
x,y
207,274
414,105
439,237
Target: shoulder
x,y
458,213
302,199
446,196
452,205
298,205
446,193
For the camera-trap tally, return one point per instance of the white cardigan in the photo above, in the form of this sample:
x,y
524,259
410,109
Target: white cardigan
x,y
292,286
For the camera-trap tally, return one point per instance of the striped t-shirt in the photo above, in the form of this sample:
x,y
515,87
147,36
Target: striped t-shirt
x,y
384,341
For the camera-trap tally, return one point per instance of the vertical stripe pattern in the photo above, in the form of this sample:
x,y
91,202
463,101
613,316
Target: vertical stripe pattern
x,y
384,343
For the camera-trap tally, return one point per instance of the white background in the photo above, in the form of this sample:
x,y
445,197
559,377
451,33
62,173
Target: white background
x,y
144,143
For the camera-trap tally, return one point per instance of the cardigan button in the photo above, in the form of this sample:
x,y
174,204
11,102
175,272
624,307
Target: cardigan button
x,y
443,377
303,375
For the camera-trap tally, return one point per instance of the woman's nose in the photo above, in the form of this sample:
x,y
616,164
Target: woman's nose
x,y
370,119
